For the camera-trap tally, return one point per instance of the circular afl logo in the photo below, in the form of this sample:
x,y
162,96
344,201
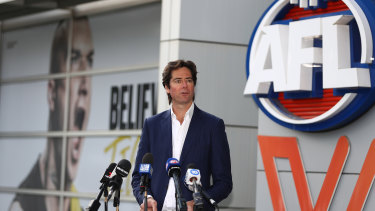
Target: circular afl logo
x,y
173,161
310,63
194,171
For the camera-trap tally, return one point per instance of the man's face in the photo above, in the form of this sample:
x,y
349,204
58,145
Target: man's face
x,y
181,87
80,92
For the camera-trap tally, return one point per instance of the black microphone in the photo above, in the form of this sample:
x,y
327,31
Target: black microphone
x,y
208,197
193,182
122,170
95,204
174,170
107,174
145,170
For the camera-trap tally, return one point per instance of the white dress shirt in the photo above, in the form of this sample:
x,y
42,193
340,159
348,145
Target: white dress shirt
x,y
179,132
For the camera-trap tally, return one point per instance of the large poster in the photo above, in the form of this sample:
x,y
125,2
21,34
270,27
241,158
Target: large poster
x,y
74,104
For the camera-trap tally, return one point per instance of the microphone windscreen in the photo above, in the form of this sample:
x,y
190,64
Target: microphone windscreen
x,y
148,158
108,172
123,168
115,182
171,166
191,166
111,167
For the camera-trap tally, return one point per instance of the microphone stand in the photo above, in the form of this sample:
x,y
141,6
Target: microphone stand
x,y
145,201
198,199
95,204
144,185
106,199
207,197
116,200
180,201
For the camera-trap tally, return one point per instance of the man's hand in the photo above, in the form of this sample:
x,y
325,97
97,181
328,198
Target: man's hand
x,y
151,205
190,205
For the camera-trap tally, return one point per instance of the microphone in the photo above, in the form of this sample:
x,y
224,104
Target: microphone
x,y
122,170
192,178
208,197
174,170
145,170
193,182
95,204
107,174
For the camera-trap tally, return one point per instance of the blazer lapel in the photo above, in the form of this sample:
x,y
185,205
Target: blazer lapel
x,y
191,135
166,130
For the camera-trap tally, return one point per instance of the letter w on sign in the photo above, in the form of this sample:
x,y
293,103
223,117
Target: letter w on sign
x,y
286,147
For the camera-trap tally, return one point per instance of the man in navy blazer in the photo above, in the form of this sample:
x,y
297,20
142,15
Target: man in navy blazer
x,y
204,143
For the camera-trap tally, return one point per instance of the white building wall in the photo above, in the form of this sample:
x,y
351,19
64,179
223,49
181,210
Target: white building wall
x,y
215,35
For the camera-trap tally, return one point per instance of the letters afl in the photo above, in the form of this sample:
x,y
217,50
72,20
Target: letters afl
x,y
310,63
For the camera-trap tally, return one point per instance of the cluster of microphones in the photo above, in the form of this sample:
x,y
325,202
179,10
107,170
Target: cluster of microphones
x,y
113,181
192,182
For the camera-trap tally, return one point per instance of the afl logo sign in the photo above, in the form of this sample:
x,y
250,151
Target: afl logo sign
x,y
310,62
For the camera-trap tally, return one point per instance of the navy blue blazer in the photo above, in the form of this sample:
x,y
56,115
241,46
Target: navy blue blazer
x,y
205,145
